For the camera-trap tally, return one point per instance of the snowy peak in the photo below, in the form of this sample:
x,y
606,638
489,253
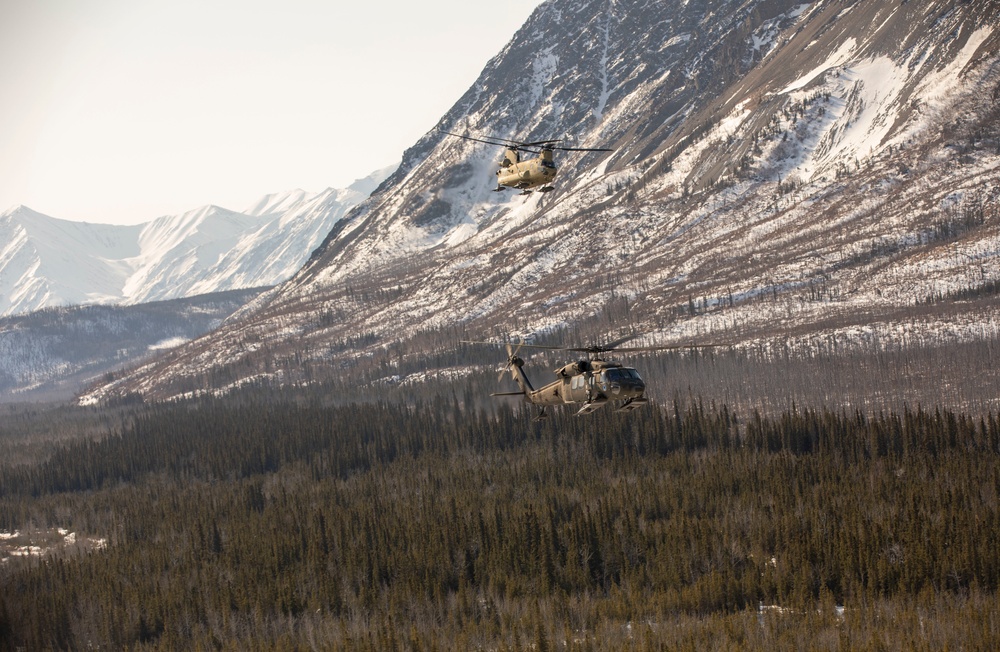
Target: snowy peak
x,y
277,203
44,231
46,261
367,185
176,251
292,200
293,234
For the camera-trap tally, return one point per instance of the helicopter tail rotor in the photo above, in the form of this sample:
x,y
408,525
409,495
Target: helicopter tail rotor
x,y
512,360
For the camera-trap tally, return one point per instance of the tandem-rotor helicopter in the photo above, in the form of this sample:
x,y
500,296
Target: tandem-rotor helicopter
x,y
593,382
530,173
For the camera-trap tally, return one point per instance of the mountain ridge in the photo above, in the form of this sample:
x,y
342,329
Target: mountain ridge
x,y
49,262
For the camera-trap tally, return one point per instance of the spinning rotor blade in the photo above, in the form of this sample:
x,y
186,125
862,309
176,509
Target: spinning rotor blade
x,y
591,350
502,143
614,348
563,149
672,347
516,144
511,354
506,367
582,149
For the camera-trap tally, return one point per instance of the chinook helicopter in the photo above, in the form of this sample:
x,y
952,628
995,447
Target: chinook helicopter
x,y
530,173
593,382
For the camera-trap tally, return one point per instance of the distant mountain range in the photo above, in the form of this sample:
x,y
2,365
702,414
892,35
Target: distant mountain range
x,y
47,262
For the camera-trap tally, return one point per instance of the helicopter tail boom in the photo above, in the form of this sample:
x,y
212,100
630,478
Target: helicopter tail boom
x,y
514,365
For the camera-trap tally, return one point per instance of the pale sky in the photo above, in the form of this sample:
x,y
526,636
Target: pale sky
x,y
122,111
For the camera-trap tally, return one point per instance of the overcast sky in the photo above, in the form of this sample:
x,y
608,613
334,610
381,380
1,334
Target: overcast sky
x,y
121,111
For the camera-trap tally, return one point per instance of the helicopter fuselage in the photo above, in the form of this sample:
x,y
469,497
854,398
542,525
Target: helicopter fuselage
x,y
593,383
524,175
531,173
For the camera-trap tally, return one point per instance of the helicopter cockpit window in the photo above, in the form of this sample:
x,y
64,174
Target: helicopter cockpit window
x,y
621,374
548,164
614,374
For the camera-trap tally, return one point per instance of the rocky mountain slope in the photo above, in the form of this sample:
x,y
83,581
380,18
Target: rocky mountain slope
x,y
47,355
47,262
817,177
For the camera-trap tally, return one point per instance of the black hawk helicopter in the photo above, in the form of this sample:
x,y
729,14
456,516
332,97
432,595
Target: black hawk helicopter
x,y
529,173
593,382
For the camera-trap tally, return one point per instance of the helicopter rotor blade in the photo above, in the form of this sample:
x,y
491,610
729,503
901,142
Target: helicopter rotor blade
x,y
525,146
603,348
673,347
582,149
511,355
562,149
506,367
502,142
596,350
499,142
614,348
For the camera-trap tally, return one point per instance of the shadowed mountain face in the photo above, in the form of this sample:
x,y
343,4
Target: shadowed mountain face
x,y
822,174
47,355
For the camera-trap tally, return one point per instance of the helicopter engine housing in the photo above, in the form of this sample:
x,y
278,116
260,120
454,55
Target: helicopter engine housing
x,y
573,369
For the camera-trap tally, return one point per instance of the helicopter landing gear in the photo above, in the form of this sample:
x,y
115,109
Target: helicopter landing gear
x,y
499,189
590,406
546,189
524,192
542,414
631,404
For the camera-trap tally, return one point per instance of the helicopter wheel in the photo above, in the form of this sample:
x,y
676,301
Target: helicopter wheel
x,y
546,189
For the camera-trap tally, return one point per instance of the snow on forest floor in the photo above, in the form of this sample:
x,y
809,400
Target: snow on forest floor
x,y
42,542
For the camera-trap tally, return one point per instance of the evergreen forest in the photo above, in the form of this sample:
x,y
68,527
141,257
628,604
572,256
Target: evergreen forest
x,y
280,520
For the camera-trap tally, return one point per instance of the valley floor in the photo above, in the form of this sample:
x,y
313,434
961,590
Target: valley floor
x,y
277,520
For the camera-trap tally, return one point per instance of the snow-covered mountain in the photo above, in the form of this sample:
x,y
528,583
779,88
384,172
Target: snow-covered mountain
x,y
48,262
821,174
45,261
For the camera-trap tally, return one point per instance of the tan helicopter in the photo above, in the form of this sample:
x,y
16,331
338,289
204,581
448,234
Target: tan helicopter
x,y
530,173
593,382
